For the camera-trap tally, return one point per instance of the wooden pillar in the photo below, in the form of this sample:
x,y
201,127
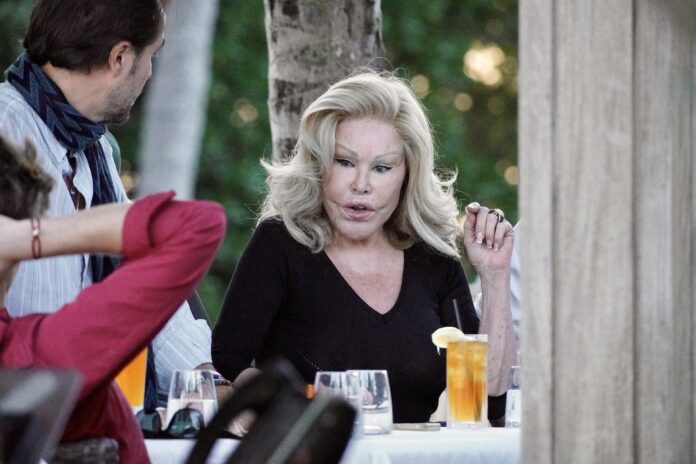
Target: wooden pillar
x,y
607,157
663,212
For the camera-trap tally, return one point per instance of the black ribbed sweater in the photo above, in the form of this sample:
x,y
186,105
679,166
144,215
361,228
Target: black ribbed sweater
x,y
285,301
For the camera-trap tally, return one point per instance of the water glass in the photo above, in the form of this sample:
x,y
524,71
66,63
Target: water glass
x,y
344,384
334,382
192,389
467,382
513,402
375,400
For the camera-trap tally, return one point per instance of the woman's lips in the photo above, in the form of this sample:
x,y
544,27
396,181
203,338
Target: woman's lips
x,y
358,211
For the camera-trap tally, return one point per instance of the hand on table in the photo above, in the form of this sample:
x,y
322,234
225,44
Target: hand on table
x,y
240,424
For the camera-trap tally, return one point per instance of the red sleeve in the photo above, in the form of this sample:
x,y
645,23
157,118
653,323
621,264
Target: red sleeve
x,y
168,246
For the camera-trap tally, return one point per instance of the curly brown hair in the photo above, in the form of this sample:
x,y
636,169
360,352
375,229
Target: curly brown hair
x,y
24,186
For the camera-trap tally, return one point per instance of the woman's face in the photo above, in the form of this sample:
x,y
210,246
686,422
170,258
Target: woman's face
x,y
363,185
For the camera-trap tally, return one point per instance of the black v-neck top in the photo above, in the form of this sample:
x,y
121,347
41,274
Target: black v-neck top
x,y
285,301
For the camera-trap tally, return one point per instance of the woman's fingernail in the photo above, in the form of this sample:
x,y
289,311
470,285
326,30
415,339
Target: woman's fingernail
x,y
496,247
489,245
479,237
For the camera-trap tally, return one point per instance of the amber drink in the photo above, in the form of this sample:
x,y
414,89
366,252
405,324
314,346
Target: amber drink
x,y
467,382
132,379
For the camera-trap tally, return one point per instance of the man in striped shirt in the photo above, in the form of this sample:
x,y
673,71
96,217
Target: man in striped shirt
x,y
87,61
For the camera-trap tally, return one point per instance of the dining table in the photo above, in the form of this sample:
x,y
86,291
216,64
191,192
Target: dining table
x,y
478,446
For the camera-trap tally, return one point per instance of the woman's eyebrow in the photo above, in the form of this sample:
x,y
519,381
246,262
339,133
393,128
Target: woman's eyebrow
x,y
355,154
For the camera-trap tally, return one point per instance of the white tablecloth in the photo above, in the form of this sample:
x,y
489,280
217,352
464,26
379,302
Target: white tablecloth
x,y
484,446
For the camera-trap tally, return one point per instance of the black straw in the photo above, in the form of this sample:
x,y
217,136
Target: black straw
x,y
456,315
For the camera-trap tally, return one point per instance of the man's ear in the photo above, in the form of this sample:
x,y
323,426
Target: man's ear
x,y
121,58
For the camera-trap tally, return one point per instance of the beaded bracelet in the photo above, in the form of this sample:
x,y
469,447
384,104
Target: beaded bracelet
x,y
35,237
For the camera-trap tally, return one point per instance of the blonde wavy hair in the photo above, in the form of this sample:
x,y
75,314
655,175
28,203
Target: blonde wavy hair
x,y
427,210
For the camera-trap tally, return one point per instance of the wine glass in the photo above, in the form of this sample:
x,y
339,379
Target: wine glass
x,y
192,389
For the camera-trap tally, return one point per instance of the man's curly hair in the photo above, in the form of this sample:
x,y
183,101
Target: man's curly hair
x,y
24,186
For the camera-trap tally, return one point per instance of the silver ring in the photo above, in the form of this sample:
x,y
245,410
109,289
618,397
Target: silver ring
x,y
500,216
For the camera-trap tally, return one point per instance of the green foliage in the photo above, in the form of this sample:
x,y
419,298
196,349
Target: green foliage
x,y
422,37
429,38
237,136
14,17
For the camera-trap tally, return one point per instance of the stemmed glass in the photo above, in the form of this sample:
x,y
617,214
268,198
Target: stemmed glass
x,y
192,389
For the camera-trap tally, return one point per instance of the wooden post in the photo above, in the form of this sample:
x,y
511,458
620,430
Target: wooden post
x,y
664,83
536,129
607,163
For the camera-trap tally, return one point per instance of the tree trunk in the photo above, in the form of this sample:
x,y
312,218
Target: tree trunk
x,y
176,103
311,45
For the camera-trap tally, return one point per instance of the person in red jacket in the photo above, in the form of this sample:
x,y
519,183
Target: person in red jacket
x,y
167,247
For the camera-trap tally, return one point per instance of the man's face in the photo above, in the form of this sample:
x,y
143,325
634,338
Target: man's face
x,y
122,97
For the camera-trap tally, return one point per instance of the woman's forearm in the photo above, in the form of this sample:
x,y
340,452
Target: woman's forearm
x,y
496,321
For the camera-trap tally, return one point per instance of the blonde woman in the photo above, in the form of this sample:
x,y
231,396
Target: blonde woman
x,y
355,261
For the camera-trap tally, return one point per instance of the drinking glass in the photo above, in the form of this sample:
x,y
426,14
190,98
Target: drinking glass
x,y
192,389
334,382
344,384
467,382
375,398
513,402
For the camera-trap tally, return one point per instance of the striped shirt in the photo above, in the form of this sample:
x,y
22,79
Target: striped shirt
x,y
45,285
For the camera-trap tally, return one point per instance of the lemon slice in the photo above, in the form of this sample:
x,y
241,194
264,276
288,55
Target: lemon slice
x,y
442,336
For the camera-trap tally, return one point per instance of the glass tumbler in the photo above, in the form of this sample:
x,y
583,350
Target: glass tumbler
x,y
513,401
467,382
344,384
374,396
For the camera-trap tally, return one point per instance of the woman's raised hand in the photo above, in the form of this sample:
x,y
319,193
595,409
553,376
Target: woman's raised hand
x,y
488,238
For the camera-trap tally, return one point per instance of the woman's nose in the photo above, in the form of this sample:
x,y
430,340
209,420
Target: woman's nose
x,y
361,183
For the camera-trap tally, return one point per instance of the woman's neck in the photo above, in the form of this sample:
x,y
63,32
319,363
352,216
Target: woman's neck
x,y
374,244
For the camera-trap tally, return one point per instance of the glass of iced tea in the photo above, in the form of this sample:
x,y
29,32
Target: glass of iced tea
x,y
467,382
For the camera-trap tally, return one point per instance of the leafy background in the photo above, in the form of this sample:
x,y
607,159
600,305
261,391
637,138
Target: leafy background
x,y
472,112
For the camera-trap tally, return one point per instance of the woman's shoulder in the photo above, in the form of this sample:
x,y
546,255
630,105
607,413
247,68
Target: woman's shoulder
x,y
271,225
272,232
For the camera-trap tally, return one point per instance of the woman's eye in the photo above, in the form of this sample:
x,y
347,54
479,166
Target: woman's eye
x,y
343,162
382,168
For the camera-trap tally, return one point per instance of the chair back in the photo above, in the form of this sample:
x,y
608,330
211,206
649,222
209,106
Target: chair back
x,y
288,427
34,408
